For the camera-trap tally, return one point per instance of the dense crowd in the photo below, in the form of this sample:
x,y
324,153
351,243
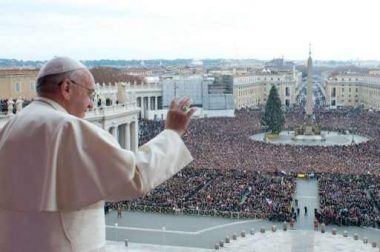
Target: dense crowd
x,y
148,129
221,143
228,193
349,199
233,168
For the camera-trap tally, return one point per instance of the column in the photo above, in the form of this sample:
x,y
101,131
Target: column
x,y
113,131
121,135
128,136
139,105
149,108
136,132
156,102
143,107
138,100
134,136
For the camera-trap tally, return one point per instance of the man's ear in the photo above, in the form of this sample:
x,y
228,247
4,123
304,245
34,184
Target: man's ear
x,y
66,89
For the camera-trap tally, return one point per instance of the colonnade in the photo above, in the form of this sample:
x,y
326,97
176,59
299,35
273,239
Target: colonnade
x,y
147,103
126,134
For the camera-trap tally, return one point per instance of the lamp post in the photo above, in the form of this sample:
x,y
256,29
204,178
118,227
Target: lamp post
x,y
353,130
116,234
265,127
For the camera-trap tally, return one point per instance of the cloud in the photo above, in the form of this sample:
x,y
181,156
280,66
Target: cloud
x,y
192,29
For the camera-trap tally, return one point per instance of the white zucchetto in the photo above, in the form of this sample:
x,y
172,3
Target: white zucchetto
x,y
59,65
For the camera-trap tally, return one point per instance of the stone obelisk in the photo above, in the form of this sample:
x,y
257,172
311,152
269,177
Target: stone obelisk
x,y
309,130
309,88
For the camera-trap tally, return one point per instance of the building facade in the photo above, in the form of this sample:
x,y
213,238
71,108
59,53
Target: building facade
x,y
353,90
183,85
210,93
16,83
218,93
252,90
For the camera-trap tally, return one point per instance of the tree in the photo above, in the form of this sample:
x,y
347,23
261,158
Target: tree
x,y
273,117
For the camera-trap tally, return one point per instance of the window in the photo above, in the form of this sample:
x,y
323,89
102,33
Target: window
x,y
333,92
287,102
287,92
18,87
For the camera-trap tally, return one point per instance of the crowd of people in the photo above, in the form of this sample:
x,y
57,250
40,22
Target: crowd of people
x,y
221,143
149,129
228,193
349,199
5,104
236,167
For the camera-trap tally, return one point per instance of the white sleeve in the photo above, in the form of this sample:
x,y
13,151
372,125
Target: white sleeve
x,y
91,166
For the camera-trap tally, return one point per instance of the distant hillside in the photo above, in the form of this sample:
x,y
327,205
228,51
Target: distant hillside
x,y
11,63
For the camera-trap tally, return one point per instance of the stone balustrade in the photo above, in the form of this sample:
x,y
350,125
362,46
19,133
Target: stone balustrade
x,y
108,110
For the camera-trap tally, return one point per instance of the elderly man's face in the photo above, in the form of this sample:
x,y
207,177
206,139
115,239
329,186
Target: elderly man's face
x,y
83,92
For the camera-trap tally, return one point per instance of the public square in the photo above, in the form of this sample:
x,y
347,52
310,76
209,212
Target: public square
x,y
196,232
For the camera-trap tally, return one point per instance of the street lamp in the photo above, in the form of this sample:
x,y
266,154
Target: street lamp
x,y
353,135
265,127
116,234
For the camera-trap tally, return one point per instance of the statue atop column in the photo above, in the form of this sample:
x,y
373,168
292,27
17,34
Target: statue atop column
x,y
121,93
96,100
102,101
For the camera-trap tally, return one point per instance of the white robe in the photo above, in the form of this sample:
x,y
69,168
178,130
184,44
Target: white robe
x,y
56,170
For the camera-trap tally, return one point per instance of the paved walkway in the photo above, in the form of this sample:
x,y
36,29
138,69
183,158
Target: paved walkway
x,y
307,195
203,232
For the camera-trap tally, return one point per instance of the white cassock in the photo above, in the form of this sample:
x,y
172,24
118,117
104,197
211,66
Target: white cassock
x,y
56,170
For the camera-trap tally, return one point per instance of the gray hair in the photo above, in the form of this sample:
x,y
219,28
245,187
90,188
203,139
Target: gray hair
x,y
50,83
55,71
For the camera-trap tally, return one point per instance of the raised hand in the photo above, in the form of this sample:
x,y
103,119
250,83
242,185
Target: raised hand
x,y
179,115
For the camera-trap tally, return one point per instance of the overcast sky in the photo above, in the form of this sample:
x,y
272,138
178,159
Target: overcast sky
x,y
141,29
